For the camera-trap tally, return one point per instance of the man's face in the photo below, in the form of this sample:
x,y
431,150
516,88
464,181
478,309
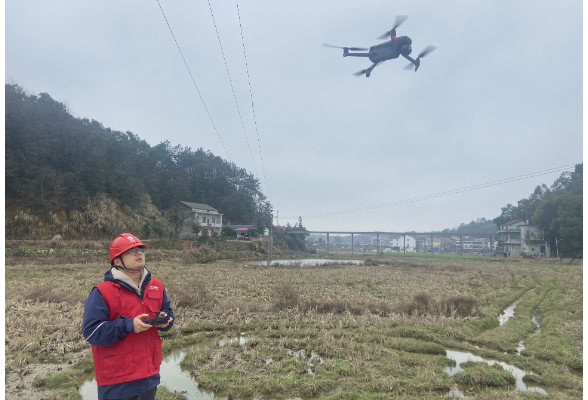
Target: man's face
x,y
134,258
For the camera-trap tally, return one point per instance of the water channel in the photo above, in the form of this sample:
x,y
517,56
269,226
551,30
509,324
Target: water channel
x,y
176,379
460,357
305,262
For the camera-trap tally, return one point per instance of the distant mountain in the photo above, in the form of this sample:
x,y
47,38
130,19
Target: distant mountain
x,y
481,225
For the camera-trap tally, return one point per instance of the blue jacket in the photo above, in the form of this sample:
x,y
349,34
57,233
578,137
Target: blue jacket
x,y
98,331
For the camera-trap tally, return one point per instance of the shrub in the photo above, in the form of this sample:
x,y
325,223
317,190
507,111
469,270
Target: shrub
x,y
196,296
464,305
285,295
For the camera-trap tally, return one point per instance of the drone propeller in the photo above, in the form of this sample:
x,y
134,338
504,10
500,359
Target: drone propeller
x,y
426,51
365,71
348,48
399,20
417,61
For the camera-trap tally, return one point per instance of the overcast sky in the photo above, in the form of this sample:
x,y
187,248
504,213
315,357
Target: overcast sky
x,y
501,97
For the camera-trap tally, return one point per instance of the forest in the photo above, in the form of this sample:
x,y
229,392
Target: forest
x,y
74,177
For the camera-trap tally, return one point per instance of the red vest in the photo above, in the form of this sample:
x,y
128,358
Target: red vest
x,y
138,355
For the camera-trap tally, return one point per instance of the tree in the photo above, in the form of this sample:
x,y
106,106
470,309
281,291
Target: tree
x,y
337,240
524,209
570,181
260,226
228,232
560,215
177,219
481,225
196,227
147,229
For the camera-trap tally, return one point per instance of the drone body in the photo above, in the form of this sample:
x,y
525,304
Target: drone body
x,y
389,50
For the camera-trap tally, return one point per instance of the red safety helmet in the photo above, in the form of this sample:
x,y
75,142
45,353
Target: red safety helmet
x,y
122,243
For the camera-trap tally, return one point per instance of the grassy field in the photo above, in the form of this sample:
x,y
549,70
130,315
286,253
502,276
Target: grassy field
x,y
338,331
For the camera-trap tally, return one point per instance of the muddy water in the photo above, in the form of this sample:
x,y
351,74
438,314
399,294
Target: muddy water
x,y
305,262
172,375
461,357
537,319
509,312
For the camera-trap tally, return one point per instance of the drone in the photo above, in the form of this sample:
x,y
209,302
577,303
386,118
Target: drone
x,y
391,49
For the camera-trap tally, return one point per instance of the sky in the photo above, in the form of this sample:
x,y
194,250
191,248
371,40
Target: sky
x,y
501,96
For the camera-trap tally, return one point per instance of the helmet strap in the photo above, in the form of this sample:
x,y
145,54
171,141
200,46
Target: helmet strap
x,y
125,268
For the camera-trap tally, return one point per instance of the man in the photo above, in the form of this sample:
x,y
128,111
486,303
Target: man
x,y
126,351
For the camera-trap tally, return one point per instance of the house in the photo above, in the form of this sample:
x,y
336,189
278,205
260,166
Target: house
x,y
209,219
518,236
398,242
243,229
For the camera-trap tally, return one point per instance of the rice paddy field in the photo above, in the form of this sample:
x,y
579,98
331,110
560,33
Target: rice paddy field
x,y
384,329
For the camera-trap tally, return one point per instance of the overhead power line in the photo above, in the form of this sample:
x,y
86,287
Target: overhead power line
x,y
193,81
447,193
232,88
251,95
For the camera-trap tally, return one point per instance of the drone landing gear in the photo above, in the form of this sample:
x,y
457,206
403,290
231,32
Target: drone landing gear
x,y
367,72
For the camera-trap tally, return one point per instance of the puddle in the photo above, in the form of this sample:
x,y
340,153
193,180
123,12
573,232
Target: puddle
x,y
310,361
172,376
306,262
461,357
537,319
509,312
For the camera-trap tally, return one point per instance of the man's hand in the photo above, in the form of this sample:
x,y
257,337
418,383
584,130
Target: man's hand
x,y
162,314
138,325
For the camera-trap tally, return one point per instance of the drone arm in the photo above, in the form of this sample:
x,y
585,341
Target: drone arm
x,y
409,58
348,54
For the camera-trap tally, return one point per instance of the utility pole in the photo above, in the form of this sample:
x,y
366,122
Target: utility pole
x,y
557,248
377,243
269,245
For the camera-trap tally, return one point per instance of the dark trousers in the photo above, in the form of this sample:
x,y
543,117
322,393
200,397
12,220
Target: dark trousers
x,y
148,395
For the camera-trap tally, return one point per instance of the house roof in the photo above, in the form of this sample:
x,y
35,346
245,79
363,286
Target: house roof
x,y
198,206
514,221
235,227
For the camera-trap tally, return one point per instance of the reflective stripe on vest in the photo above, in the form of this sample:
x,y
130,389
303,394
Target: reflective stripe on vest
x,y
138,355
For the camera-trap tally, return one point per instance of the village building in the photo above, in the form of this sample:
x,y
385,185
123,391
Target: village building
x,y
398,243
518,236
209,219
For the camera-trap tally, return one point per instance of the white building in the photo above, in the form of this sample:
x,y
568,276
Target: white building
x,y
516,237
399,243
209,219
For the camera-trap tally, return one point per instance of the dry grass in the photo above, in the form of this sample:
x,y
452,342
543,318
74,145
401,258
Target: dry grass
x,y
388,317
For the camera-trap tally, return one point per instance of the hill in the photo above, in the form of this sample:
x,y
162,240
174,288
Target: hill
x,y
73,176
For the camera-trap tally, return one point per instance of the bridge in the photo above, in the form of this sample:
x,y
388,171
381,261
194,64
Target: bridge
x,y
404,234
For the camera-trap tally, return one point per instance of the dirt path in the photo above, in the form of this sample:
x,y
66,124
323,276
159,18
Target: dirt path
x,y
19,379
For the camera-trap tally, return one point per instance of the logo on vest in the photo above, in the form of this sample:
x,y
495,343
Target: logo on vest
x,y
154,287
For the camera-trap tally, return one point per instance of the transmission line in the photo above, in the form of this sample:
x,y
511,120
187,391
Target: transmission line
x,y
193,81
447,193
251,95
232,88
